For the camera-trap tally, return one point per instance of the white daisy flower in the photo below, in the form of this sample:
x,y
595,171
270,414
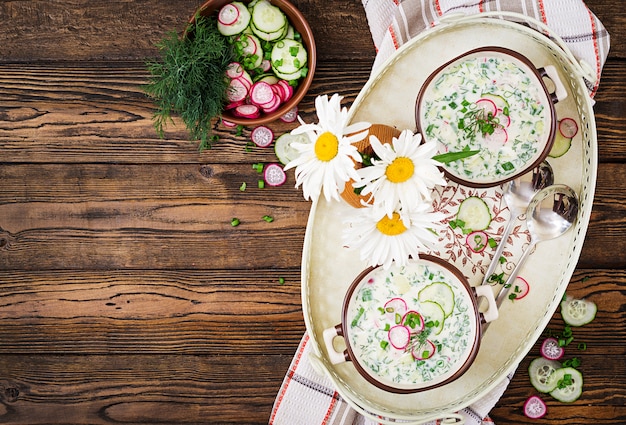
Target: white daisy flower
x,y
326,163
404,174
383,240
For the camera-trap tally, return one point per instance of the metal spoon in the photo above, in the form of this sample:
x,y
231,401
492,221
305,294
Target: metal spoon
x,y
550,214
517,195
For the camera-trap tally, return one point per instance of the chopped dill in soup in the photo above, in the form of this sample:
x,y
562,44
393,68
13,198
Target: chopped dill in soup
x,y
489,103
411,325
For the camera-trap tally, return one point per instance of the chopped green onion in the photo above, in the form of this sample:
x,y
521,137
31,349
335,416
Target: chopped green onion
x,y
268,218
235,222
281,280
582,346
261,184
243,187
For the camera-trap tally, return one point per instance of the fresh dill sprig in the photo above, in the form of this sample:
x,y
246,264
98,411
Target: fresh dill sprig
x,y
188,80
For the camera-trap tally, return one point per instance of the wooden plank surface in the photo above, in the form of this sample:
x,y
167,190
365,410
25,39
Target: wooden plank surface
x,y
125,293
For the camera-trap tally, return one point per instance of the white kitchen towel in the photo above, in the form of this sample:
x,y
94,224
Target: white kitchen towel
x,y
306,397
394,22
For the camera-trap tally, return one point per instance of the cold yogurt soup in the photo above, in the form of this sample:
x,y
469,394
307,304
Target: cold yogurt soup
x,y
411,326
487,102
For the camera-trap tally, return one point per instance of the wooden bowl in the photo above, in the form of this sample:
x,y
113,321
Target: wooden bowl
x,y
300,24
385,134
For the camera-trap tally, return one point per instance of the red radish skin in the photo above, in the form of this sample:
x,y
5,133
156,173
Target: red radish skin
x,y
234,70
427,347
520,288
568,128
261,94
396,306
488,106
477,241
291,115
274,175
228,14
420,326
262,136
229,124
551,350
399,337
535,408
237,90
247,111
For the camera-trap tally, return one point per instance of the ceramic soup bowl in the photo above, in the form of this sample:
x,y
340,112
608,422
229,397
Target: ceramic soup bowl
x,y
411,328
494,101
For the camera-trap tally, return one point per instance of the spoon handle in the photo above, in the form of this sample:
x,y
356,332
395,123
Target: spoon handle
x,y
496,257
504,291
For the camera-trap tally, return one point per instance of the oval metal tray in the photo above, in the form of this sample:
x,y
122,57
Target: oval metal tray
x,y
328,267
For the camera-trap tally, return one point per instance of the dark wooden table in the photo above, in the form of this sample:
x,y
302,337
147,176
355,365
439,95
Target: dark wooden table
x,y
125,294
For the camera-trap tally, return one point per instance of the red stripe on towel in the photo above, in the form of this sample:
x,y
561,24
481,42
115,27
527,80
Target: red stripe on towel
x,y
331,407
305,340
596,50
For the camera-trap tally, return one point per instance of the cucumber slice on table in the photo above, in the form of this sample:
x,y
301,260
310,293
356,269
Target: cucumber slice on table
x,y
541,371
569,384
577,312
439,293
283,149
474,213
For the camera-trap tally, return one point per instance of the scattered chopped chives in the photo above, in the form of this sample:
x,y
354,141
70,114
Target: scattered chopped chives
x,y
235,222
242,187
268,218
261,184
281,280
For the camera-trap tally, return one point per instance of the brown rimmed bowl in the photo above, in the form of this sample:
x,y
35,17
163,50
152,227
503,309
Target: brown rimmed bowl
x,y
301,25
438,114
366,322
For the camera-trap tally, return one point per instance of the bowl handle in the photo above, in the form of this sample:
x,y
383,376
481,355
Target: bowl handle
x,y
560,92
329,335
492,311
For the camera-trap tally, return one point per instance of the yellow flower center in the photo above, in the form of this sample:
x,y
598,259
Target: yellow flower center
x,y
391,226
326,146
400,170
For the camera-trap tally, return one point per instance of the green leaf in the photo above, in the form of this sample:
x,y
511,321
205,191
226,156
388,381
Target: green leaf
x,y
448,157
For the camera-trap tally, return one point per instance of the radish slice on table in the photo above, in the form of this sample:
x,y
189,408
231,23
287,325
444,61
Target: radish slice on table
x,y
477,241
262,136
291,115
424,351
551,350
534,407
274,175
228,15
519,289
488,106
413,321
229,124
568,127
399,336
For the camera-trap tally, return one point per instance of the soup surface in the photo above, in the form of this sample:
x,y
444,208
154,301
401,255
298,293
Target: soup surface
x,y
489,103
411,326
